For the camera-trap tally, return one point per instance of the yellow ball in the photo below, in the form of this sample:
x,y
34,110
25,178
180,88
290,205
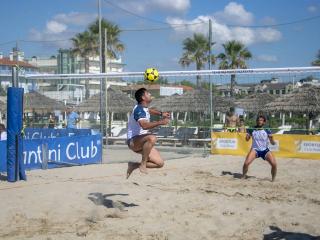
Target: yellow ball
x,y
151,75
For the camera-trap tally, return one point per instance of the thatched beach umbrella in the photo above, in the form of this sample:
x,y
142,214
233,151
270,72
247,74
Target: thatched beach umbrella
x,y
193,101
36,102
255,102
304,100
118,102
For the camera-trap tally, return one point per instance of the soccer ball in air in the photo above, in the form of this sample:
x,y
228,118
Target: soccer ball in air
x,y
151,75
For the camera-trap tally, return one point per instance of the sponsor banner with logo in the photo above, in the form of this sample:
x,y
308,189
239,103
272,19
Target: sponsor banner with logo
x,y
61,150
292,146
38,133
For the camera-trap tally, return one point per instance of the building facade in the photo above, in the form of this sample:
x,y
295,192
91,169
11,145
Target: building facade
x,y
16,58
45,64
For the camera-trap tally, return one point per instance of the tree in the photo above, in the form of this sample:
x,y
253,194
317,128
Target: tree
x,y
187,83
114,45
234,56
206,85
84,45
196,50
317,61
162,80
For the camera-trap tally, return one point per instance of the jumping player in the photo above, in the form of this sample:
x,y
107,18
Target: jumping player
x,y
139,139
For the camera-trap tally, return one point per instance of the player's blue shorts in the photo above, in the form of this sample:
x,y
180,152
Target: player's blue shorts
x,y
262,154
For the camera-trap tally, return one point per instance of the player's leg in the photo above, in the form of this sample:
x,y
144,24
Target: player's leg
x,y
131,167
272,160
143,144
249,159
154,161
146,150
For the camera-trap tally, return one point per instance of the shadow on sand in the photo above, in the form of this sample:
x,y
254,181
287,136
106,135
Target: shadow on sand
x,y
278,234
102,199
235,175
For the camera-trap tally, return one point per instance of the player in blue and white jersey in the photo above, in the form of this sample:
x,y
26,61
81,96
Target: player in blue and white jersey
x,y
260,146
139,139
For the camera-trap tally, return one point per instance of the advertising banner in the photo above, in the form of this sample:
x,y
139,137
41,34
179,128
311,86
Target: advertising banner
x,y
75,150
287,145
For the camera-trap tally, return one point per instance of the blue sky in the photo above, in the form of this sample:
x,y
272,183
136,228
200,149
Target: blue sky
x,y
290,45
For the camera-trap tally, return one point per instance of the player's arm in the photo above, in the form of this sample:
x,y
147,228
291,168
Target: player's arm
x,y
248,135
156,112
145,124
270,136
271,139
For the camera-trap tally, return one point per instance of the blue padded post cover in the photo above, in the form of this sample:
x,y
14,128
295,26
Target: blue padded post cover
x,y
15,165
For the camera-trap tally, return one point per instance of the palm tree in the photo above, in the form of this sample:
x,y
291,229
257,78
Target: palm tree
x,y
234,56
114,45
84,45
196,51
317,61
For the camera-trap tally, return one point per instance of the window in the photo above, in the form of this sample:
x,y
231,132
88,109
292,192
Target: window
x,y
277,91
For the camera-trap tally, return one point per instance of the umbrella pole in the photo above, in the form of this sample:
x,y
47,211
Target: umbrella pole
x,y
283,119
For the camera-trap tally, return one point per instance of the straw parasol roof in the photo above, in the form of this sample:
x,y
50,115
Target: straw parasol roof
x,y
192,101
34,101
222,104
303,100
118,102
255,102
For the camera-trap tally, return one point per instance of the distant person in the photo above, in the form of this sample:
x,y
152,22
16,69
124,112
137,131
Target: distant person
x,y
139,139
3,132
52,122
260,141
242,127
72,118
232,121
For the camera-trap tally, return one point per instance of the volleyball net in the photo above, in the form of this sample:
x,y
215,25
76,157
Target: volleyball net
x,y
199,101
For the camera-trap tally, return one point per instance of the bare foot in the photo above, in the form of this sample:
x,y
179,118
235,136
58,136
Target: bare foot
x,y
143,168
131,167
244,177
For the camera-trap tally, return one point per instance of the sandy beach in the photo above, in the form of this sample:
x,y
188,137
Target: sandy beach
x,y
192,197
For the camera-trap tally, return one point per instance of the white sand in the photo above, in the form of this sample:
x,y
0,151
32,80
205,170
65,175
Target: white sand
x,y
190,198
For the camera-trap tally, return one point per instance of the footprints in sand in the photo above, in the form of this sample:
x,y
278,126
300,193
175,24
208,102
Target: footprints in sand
x,y
203,174
228,213
315,201
20,225
258,189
